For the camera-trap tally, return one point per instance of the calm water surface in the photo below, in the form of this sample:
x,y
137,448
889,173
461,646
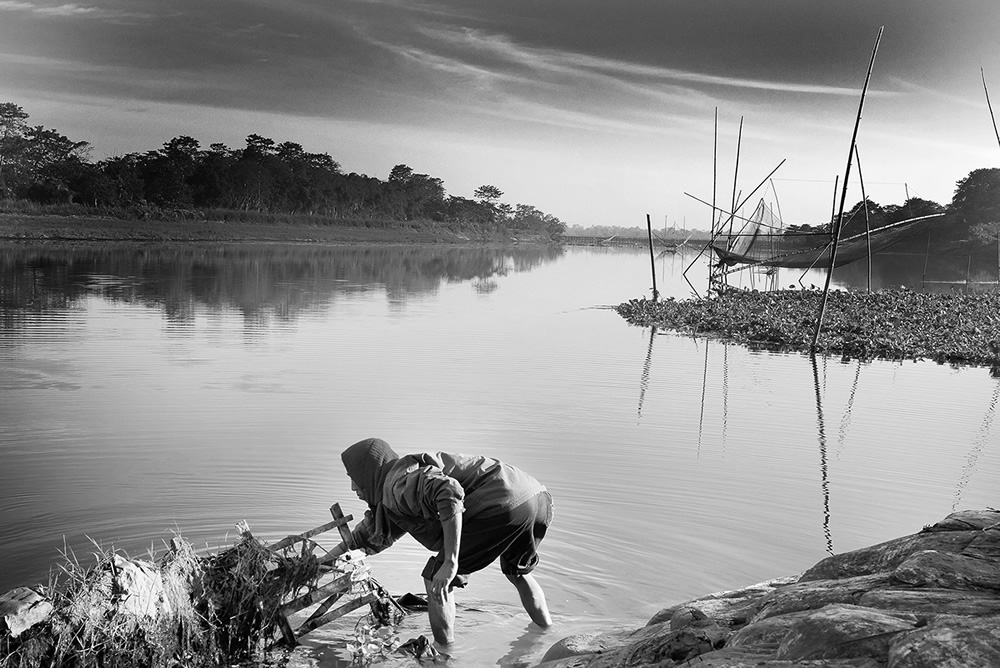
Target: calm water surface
x,y
148,390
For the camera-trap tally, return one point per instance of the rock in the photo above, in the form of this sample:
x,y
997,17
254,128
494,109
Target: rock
x,y
932,568
578,661
986,544
748,658
886,556
928,601
767,634
972,642
139,588
817,594
22,608
726,607
593,643
841,632
685,616
966,519
666,648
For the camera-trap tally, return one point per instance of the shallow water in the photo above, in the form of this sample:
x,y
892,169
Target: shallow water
x,y
147,390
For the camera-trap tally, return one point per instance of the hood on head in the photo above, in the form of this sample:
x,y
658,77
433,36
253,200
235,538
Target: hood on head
x,y
365,463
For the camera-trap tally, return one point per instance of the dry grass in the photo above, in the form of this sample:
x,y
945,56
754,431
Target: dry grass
x,y
216,610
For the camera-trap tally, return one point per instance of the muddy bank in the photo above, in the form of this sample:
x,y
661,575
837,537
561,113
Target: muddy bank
x,y
958,328
925,600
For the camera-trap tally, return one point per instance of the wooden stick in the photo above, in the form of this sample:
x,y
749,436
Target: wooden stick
x,y
285,542
652,258
336,587
334,614
345,532
843,196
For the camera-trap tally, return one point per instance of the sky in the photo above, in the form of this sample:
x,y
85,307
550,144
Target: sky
x,y
598,112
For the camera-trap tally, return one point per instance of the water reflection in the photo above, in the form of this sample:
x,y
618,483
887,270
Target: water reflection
x,y
823,467
644,381
979,443
936,272
264,283
818,390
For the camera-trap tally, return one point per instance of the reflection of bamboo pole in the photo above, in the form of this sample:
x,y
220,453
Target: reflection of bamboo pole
x,y
652,257
823,467
644,381
843,196
704,384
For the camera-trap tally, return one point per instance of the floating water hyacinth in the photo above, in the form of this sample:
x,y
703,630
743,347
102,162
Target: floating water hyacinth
x,y
953,328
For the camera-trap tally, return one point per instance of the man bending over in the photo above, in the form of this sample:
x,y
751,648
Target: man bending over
x,y
470,510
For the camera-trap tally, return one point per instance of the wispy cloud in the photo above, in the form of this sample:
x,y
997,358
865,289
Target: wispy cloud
x,y
539,61
911,87
67,10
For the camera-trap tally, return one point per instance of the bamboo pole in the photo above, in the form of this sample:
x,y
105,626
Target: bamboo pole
x,y
652,258
715,168
736,173
990,106
715,187
868,229
843,195
712,232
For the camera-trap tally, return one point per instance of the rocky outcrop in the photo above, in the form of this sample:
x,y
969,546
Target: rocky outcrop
x,y
22,608
931,599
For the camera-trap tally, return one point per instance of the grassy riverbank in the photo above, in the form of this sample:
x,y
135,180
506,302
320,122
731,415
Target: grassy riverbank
x,y
241,226
959,328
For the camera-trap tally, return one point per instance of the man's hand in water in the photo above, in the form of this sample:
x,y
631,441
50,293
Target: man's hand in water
x,y
441,584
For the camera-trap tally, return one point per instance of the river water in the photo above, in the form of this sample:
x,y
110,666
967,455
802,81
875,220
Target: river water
x,y
148,390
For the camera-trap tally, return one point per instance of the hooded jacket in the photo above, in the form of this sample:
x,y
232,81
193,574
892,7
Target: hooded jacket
x,y
415,493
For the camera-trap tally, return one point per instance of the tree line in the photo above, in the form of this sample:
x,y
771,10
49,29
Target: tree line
x,y
971,220
42,165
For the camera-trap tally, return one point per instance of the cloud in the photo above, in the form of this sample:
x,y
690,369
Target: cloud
x,y
539,61
68,10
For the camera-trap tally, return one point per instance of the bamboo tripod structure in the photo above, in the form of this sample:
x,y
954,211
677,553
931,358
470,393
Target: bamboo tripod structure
x,y
333,591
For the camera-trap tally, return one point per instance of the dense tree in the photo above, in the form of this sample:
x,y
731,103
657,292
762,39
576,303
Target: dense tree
x,y
527,217
488,194
13,126
976,205
264,175
416,195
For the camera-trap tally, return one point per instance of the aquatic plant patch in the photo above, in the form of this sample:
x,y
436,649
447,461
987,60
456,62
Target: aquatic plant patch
x,y
959,327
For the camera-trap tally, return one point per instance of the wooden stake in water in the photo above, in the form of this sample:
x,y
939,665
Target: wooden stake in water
x,y
652,258
843,196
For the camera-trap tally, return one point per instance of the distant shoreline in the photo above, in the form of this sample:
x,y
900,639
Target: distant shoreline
x,y
23,227
99,229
